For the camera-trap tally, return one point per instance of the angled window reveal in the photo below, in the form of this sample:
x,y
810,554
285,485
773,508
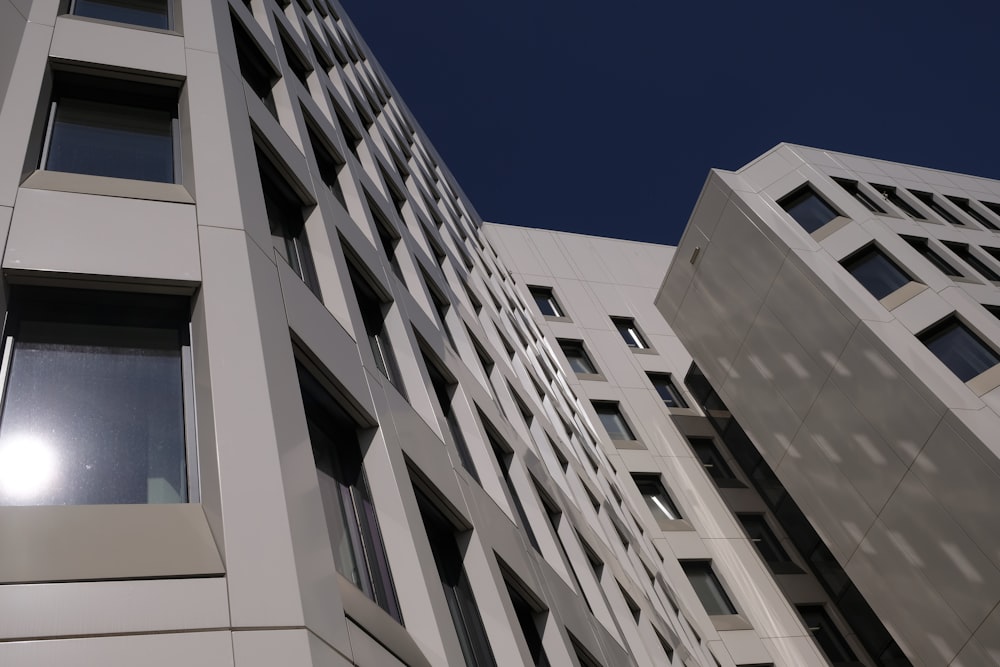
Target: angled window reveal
x,y
890,194
373,309
875,271
531,619
826,634
713,462
933,204
576,355
445,390
669,394
256,69
962,351
546,301
966,206
767,543
855,191
965,254
630,333
922,246
708,588
656,496
808,209
613,421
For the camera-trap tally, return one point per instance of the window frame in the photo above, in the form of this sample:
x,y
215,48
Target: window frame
x,y
857,259
665,510
783,564
616,407
952,322
666,382
706,569
629,330
799,196
727,479
543,294
853,188
578,346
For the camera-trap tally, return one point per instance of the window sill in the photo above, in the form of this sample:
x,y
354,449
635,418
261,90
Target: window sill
x,y
985,382
376,622
592,377
642,350
726,622
830,228
556,318
61,181
673,525
902,295
628,444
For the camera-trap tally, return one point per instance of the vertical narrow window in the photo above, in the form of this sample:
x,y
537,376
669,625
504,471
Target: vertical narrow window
x,y
708,588
441,308
713,462
808,209
456,587
933,204
965,254
962,351
146,13
373,309
966,207
389,238
923,247
287,222
630,333
359,552
300,68
97,399
505,458
255,68
855,191
529,618
656,496
546,301
767,543
669,394
890,194
613,421
826,634
329,166
875,271
351,136
576,355
444,391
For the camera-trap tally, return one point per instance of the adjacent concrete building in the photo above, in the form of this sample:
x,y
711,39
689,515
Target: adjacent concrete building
x,y
272,393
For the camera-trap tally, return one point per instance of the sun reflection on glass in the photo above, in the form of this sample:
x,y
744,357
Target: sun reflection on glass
x,y
27,466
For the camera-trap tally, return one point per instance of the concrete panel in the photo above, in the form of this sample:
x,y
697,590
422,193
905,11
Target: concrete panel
x,y
199,649
118,46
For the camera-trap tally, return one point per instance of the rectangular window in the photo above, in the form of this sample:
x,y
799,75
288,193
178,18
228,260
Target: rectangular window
x,y
962,351
97,399
358,550
389,238
933,204
713,462
890,194
529,618
147,13
669,393
114,128
613,421
965,254
808,209
630,333
708,588
287,222
455,585
577,357
299,66
966,206
444,391
255,68
855,190
546,301
826,634
373,309
875,271
656,496
923,247
767,543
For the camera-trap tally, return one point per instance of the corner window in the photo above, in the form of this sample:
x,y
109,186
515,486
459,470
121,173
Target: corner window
x,y
613,421
855,191
669,393
808,209
577,357
146,13
890,195
114,128
656,496
922,246
826,634
546,301
97,399
630,333
875,271
962,351
358,550
708,588
965,254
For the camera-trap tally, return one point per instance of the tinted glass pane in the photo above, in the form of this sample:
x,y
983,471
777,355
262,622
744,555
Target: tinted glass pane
x,y
149,13
614,423
546,302
763,538
93,415
809,209
656,497
876,272
826,634
706,585
667,391
960,350
112,140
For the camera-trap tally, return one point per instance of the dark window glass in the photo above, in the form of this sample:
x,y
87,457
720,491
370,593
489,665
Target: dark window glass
x,y
583,656
890,195
93,410
441,308
959,349
298,65
351,136
933,204
767,543
859,194
389,238
444,391
808,209
963,252
329,166
546,301
504,460
876,272
826,634
656,496
613,421
347,500
529,619
577,357
373,316
921,246
630,332
456,587
994,208
714,464
966,207
254,67
148,13
664,385
708,588
993,310
108,127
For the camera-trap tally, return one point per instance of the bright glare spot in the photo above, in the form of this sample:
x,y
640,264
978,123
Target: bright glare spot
x,y
27,466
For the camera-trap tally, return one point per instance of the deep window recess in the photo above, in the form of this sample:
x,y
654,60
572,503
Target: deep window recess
x,y
933,204
890,195
529,618
546,301
389,238
577,357
147,13
668,392
965,254
97,401
708,587
358,550
962,351
966,207
855,190
713,462
923,247
656,496
256,70
876,272
808,209
993,207
630,332
613,421
456,587
285,218
445,391
767,543
826,634
297,63
441,308
112,127
329,166
373,311
505,459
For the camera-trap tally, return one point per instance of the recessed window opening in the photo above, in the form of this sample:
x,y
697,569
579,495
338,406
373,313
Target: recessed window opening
x,y
657,499
826,634
669,394
613,421
855,190
147,13
630,332
708,588
962,351
933,204
922,246
876,272
965,254
966,206
576,355
255,68
373,312
892,196
808,209
545,300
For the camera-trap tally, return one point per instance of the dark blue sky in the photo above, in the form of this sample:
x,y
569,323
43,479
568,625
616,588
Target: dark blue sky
x,y
604,118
